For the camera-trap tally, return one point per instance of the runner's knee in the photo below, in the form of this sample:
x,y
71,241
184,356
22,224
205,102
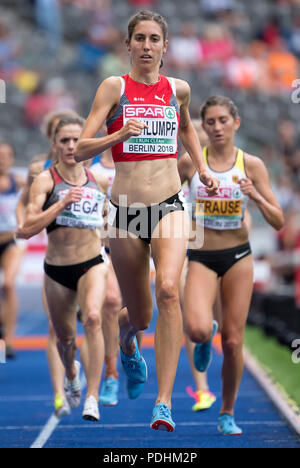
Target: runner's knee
x,y
232,345
166,292
112,304
92,319
198,332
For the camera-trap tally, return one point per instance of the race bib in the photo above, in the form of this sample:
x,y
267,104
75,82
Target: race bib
x,y
219,207
8,221
161,135
86,214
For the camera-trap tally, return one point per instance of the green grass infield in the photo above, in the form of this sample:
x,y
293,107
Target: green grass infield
x,y
276,361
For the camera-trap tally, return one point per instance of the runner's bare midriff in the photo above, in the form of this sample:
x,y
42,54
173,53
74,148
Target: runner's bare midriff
x,y
216,240
145,182
69,246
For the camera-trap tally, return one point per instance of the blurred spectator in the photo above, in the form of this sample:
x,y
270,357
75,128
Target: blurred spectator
x,y
46,98
282,67
48,18
115,62
285,192
293,35
184,49
288,145
101,36
9,53
37,105
217,45
287,134
270,33
142,3
57,88
216,7
242,71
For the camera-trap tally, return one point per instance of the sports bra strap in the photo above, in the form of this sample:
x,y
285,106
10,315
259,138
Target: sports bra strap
x,y
56,177
122,85
240,162
90,176
173,86
204,150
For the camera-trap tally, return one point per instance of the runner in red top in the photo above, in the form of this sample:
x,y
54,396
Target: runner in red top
x,y
157,106
142,114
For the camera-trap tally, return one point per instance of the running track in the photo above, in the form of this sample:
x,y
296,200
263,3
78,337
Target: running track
x,y
26,405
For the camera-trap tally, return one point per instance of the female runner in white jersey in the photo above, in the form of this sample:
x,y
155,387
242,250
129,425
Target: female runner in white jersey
x,y
105,166
68,200
226,253
144,111
10,253
204,399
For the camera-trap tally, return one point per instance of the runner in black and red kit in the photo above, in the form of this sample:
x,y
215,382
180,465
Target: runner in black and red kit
x,y
144,111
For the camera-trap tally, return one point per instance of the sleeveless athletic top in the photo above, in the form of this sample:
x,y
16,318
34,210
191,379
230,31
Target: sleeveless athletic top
x,y
225,210
98,167
156,105
8,204
86,214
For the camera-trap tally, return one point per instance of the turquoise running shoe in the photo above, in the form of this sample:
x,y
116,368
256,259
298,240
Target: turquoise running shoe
x,y
227,425
134,366
134,389
109,392
203,352
162,419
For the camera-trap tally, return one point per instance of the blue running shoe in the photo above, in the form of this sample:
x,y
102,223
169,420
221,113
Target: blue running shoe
x,y
203,352
109,392
162,419
227,425
134,365
134,389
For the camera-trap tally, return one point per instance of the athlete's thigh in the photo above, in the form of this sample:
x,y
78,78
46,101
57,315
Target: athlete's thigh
x,y
236,293
11,260
201,286
113,288
131,261
92,288
169,246
62,307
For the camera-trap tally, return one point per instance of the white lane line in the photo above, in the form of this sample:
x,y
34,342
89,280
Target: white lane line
x,y
31,398
146,396
51,424
46,433
275,395
93,426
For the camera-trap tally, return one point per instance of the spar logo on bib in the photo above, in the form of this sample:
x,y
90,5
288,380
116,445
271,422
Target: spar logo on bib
x,y
170,113
160,136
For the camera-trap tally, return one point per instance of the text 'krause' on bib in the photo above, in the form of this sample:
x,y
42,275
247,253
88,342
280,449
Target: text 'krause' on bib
x,y
161,135
86,214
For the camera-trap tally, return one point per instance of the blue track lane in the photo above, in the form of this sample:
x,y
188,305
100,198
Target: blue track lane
x,y
26,405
